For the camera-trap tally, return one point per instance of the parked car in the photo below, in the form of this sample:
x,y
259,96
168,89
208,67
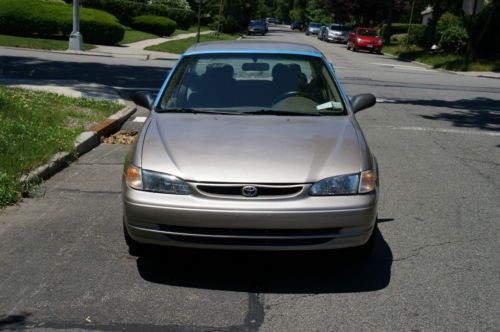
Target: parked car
x,y
336,33
297,25
313,28
322,31
257,27
251,145
364,39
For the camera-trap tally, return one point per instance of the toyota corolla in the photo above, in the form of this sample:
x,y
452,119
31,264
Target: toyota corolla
x,y
251,145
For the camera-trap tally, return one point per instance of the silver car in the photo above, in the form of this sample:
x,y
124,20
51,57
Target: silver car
x,y
336,33
251,145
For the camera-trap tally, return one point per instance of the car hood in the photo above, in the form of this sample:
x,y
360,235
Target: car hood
x,y
369,39
251,148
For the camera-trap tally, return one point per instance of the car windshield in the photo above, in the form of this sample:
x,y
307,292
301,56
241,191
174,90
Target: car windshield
x,y
272,84
315,25
366,32
257,23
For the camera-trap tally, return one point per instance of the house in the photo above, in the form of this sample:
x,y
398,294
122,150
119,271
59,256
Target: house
x,y
427,14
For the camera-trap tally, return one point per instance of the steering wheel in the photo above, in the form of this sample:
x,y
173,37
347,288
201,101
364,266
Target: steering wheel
x,y
284,96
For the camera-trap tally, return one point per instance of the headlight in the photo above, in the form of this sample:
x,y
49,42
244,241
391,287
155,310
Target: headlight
x,y
336,185
345,184
360,40
155,181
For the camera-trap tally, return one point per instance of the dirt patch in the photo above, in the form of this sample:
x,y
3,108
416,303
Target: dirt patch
x,y
121,137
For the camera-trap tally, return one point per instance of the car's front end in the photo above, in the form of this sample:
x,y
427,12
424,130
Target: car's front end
x,y
313,29
237,170
256,28
368,40
336,36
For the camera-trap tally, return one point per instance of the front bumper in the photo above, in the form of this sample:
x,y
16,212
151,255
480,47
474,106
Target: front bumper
x,y
369,47
299,223
336,38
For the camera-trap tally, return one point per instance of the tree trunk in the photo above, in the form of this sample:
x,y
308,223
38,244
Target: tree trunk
x,y
388,30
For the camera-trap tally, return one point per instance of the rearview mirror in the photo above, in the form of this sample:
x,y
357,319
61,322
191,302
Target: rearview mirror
x,y
144,99
255,66
361,102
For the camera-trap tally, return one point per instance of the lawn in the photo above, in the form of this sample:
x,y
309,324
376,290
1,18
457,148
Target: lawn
x,y
191,29
180,45
38,43
132,36
35,125
445,61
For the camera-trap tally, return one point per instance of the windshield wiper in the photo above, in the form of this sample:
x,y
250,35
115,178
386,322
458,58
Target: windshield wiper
x,y
194,111
274,112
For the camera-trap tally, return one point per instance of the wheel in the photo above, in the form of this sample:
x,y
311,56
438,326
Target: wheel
x,y
353,48
134,248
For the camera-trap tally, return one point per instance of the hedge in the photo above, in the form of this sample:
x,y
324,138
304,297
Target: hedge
x,y
419,33
126,10
46,19
158,25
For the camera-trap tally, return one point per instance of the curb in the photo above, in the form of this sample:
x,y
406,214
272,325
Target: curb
x,y
85,142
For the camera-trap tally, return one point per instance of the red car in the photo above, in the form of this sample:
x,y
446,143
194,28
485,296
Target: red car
x,y
364,39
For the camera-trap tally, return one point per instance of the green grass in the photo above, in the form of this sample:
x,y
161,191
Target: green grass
x,y
445,61
38,43
179,46
132,36
34,126
191,29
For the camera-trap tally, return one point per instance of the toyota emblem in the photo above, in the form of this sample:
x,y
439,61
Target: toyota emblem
x,y
249,191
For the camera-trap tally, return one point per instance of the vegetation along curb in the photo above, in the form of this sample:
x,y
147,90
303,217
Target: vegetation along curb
x,y
85,142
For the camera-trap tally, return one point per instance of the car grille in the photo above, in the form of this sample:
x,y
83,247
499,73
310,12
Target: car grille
x,y
236,190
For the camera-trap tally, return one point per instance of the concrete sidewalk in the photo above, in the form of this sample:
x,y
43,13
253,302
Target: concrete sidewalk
x,y
150,42
137,49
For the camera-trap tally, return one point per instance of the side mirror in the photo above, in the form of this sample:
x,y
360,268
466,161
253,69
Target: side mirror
x,y
361,102
144,99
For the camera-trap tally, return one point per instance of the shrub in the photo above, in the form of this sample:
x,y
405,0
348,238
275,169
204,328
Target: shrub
x,y
157,25
33,17
182,4
453,40
419,33
126,10
227,24
447,20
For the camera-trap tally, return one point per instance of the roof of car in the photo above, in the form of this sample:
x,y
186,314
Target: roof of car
x,y
252,46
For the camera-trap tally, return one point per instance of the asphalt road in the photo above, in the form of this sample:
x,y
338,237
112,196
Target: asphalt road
x,y
63,263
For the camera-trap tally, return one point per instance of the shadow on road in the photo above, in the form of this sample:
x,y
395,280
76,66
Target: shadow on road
x,y
13,322
37,71
270,272
481,113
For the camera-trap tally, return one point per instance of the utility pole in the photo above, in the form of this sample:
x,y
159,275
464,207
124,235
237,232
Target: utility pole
x,y
199,21
409,24
220,16
76,38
